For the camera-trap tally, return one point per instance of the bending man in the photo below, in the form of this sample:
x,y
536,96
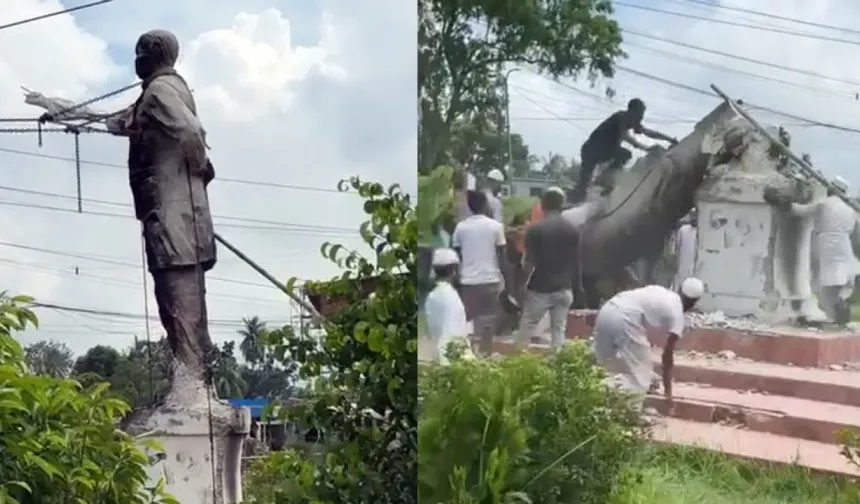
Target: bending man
x,y
625,326
604,143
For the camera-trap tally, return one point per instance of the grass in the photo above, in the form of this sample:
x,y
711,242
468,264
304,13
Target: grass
x,y
677,475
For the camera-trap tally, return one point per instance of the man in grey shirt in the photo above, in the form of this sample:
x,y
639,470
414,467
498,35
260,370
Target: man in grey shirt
x,y
551,246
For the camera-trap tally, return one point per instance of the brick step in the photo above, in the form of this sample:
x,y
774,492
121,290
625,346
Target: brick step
x,y
785,416
777,345
839,386
761,446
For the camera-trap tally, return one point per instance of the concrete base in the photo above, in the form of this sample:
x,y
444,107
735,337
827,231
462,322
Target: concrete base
x,y
201,439
778,345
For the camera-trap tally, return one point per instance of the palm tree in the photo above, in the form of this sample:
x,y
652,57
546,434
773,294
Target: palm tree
x,y
227,376
251,345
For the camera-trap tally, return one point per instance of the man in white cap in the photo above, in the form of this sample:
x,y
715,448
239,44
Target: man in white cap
x,y
625,326
550,261
495,179
445,315
838,267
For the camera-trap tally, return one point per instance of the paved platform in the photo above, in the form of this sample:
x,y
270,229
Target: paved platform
x,y
820,457
840,385
786,416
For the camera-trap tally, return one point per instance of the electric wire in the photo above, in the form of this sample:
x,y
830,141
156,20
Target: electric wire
x,y
781,31
732,8
723,68
289,226
738,57
55,13
259,183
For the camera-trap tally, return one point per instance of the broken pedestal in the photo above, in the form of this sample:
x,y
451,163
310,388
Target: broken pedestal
x,y
201,438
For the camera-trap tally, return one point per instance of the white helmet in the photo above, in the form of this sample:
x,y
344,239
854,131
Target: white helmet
x,y
692,288
496,175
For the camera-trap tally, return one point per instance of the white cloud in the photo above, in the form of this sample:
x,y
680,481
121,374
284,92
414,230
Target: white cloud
x,y
667,105
297,96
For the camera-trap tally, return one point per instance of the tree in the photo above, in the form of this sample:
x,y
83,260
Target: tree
x,y
483,149
139,375
464,48
60,444
100,360
225,373
364,368
49,358
251,348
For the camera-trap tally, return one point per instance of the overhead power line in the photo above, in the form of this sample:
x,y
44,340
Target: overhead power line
x,y
55,13
742,58
260,183
286,226
732,8
722,68
704,92
738,24
11,263
118,262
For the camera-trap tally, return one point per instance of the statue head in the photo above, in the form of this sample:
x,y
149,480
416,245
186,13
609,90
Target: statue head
x,y
155,50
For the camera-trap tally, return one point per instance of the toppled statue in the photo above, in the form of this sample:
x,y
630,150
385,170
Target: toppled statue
x,y
169,171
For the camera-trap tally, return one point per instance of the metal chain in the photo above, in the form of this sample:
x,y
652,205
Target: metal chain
x,y
47,117
68,129
78,169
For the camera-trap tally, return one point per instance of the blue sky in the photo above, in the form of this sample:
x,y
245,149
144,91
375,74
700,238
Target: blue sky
x,y
294,96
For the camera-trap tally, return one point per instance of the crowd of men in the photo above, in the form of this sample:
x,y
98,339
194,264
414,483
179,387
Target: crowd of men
x,y
478,278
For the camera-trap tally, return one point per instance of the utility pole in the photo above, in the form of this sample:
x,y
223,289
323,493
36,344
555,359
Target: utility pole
x,y
510,170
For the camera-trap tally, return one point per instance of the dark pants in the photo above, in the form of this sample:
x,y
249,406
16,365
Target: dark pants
x,y
590,157
181,297
482,309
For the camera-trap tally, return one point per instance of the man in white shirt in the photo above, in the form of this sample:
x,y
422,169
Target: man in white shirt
x,y
444,313
480,243
624,328
495,179
838,267
685,242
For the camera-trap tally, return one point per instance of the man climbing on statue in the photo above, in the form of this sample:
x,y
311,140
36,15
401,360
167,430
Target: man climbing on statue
x,y
604,144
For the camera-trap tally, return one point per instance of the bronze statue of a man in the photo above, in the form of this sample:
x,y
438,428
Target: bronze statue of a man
x,y
168,172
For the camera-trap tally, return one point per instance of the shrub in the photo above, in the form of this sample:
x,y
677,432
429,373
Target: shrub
x,y
523,427
364,368
59,443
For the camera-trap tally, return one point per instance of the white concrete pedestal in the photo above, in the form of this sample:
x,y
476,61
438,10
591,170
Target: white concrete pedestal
x,y
753,259
198,467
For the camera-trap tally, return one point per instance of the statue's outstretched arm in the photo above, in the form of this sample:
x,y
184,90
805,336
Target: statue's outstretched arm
x,y
119,123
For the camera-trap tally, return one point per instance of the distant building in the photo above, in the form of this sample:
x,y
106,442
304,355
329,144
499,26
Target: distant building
x,y
533,185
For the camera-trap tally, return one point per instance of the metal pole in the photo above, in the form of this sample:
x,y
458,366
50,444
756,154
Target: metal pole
x,y
508,123
805,168
268,276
